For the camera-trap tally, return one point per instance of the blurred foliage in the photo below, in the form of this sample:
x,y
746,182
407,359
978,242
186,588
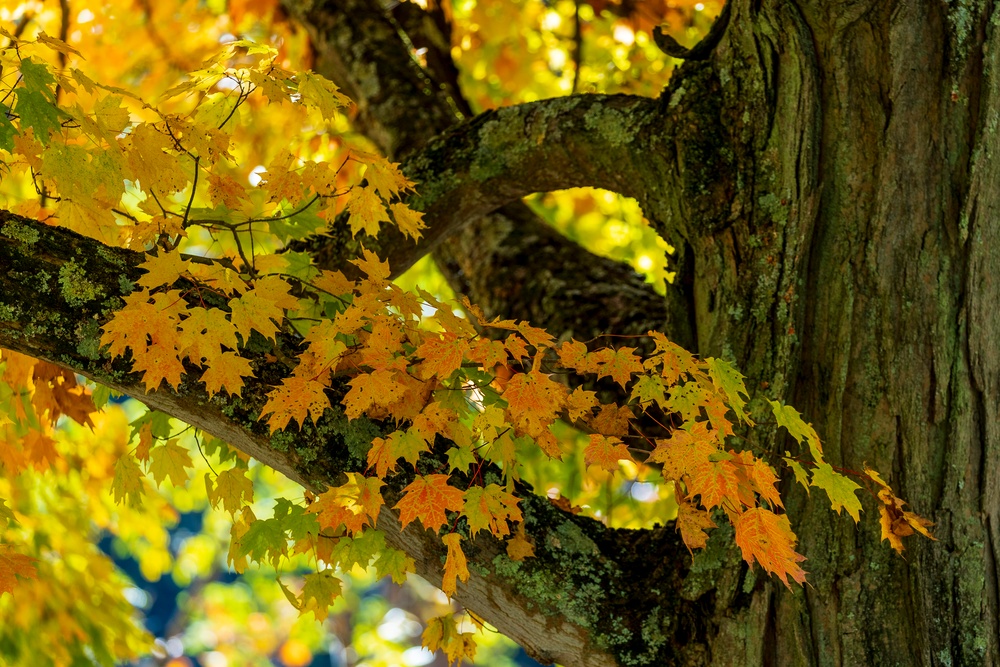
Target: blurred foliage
x,y
171,552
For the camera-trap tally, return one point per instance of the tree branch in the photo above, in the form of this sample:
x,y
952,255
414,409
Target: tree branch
x,y
592,596
614,142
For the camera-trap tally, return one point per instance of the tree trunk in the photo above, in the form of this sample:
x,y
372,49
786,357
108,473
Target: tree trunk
x,y
856,278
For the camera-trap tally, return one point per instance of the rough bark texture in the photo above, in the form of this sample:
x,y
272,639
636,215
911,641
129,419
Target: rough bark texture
x,y
831,171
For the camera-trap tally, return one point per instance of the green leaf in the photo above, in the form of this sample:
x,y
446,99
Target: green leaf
x,y
264,540
394,563
648,388
36,112
127,485
460,458
840,489
788,417
37,78
801,476
358,550
296,521
7,130
6,515
729,380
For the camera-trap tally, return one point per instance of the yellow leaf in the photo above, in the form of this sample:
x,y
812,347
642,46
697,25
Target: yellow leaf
x,y
410,222
170,460
232,488
366,211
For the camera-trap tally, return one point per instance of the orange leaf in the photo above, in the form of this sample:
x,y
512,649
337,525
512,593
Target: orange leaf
x,y
533,402
456,566
605,452
378,388
427,498
693,522
14,565
767,538
295,398
442,355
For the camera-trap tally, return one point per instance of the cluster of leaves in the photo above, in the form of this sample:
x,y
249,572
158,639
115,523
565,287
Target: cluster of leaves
x,y
131,174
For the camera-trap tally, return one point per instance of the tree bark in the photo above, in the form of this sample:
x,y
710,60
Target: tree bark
x,y
832,172
858,281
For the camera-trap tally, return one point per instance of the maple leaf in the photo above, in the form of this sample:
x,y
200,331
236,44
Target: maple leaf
x,y
620,364
318,91
801,476
226,371
488,353
127,484
518,547
788,417
675,361
442,355
158,363
203,334
139,318
612,420
455,566
728,380
427,498
716,481
378,388
265,539
333,282
395,564
366,210
693,524
767,538
232,487
162,269
533,402
442,633
376,270
355,504
14,565
574,355
489,508
410,222
840,489
358,550
605,452
319,591
894,521
145,441
384,176
261,307
295,398
170,459
580,403
761,477
648,389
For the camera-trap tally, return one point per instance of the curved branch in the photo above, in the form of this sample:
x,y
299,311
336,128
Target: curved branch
x,y
615,142
592,596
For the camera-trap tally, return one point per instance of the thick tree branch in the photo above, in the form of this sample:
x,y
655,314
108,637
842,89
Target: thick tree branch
x,y
592,597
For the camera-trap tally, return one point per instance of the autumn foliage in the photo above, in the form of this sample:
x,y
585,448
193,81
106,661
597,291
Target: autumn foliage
x,y
218,294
